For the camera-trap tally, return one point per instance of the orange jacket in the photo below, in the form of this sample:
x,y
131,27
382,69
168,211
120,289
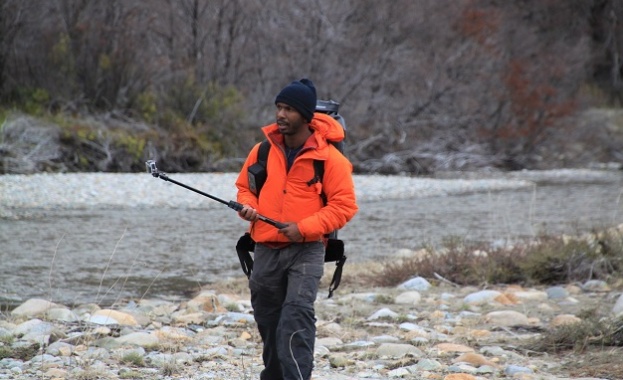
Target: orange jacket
x,y
287,197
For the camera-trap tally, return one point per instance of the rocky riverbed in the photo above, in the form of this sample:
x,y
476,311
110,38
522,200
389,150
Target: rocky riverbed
x,y
420,329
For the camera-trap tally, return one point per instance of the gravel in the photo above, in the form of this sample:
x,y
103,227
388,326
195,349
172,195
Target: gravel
x,y
76,191
81,190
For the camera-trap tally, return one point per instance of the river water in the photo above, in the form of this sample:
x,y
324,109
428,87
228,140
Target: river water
x,y
105,254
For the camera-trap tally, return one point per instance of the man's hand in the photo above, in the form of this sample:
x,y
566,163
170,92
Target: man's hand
x,y
248,213
291,231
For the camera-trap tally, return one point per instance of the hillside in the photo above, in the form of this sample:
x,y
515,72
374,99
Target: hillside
x,y
108,144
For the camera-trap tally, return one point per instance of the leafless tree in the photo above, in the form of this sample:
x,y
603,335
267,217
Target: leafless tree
x,y
424,85
14,19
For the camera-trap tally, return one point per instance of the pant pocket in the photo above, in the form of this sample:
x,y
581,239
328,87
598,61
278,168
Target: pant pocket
x,y
308,282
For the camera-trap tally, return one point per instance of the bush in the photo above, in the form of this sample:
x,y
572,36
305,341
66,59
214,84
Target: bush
x,y
458,261
547,260
556,260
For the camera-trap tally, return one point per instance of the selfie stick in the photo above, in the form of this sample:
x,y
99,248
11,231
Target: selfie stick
x,y
153,170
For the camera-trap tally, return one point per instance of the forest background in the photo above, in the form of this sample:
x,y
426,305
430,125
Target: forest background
x,y
424,85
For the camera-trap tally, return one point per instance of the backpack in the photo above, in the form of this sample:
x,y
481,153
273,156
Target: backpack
x,y
257,174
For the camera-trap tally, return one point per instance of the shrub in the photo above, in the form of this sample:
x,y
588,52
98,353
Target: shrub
x,y
556,260
5,352
547,260
458,261
23,353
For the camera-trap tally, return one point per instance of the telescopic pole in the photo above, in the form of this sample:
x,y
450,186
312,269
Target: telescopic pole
x,y
153,170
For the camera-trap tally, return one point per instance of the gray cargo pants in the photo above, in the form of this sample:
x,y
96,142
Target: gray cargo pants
x,y
283,285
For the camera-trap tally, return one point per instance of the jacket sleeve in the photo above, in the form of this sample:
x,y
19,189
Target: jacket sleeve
x,y
245,196
341,207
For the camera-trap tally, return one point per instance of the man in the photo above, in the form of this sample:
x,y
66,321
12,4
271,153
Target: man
x,y
289,262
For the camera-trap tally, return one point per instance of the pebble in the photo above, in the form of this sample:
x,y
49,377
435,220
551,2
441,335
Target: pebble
x,y
416,283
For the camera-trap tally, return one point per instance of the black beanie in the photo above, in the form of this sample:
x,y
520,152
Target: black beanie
x,y
301,95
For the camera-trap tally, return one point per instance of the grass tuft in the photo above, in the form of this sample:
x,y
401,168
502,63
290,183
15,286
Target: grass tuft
x,y
133,358
91,374
170,369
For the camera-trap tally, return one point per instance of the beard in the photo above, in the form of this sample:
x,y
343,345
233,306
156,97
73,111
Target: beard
x,y
289,128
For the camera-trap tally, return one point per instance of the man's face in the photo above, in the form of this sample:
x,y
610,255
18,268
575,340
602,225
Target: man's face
x,y
289,120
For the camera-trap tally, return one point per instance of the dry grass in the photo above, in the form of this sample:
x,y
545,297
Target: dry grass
x,y
237,285
23,353
458,261
353,275
546,260
557,260
91,374
596,363
579,337
133,358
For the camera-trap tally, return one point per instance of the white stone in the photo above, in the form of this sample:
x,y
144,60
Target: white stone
x,y
31,326
481,297
102,320
33,307
398,372
617,309
530,295
416,283
383,313
62,314
138,339
507,318
408,298
330,342
397,350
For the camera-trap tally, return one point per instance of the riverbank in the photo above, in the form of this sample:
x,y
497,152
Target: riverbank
x,y
418,330
84,190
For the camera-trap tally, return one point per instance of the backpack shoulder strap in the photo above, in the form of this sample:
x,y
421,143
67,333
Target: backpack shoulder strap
x,y
262,153
318,176
319,169
258,172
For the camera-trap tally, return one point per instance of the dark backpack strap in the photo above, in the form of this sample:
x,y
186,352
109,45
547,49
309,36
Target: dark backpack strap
x,y
319,174
258,172
262,152
335,247
244,247
337,275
